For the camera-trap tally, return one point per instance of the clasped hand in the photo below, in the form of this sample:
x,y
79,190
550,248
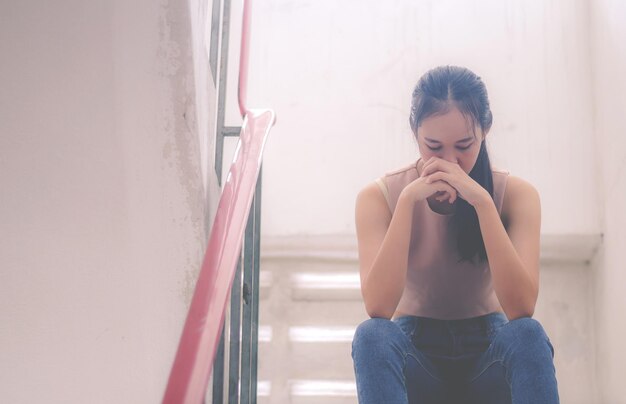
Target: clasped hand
x,y
437,169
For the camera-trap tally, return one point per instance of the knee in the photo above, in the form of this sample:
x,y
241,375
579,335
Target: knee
x,y
530,334
527,329
374,334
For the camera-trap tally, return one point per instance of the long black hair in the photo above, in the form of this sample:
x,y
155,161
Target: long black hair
x,y
435,93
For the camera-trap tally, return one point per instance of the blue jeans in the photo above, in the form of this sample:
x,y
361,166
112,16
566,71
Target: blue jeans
x,y
482,360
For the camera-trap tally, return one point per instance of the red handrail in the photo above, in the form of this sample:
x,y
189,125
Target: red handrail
x,y
205,320
198,344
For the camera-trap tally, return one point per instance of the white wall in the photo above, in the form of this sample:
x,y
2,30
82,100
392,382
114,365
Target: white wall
x,y
609,67
102,201
106,120
340,76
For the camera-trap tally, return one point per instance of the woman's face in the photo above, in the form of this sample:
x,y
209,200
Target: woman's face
x,y
449,136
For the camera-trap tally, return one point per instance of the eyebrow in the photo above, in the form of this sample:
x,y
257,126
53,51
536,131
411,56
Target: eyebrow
x,y
460,141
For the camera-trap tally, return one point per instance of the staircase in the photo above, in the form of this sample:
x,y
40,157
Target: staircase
x,y
310,304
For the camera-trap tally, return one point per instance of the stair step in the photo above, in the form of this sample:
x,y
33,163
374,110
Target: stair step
x,y
325,286
310,391
309,353
316,390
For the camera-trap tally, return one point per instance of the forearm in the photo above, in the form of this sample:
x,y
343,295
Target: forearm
x,y
386,279
511,281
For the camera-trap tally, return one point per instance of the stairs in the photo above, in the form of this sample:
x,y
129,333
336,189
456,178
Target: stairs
x,y
310,304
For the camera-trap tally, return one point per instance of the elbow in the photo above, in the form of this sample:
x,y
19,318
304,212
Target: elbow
x,y
380,314
379,311
523,306
381,304
519,313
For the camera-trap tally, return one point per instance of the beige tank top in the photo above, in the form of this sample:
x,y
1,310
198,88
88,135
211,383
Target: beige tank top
x,y
436,285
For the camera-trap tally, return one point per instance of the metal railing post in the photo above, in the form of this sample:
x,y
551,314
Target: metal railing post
x,y
250,324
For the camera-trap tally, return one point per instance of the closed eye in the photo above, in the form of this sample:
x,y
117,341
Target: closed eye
x,y
439,148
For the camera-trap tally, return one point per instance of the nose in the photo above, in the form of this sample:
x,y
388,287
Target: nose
x,y
450,157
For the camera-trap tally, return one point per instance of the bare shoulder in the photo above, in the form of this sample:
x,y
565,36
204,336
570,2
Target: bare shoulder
x,y
519,196
519,188
371,198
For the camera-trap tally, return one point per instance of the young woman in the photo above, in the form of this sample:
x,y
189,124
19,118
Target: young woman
x,y
449,264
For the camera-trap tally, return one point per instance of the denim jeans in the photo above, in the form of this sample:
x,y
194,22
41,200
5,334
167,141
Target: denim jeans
x,y
482,360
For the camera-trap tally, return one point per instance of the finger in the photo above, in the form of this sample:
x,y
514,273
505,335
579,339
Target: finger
x,y
438,176
446,197
442,182
453,194
426,169
441,185
435,164
447,192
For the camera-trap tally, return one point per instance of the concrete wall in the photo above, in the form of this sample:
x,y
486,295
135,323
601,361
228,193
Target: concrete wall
x,y
104,118
609,64
340,76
